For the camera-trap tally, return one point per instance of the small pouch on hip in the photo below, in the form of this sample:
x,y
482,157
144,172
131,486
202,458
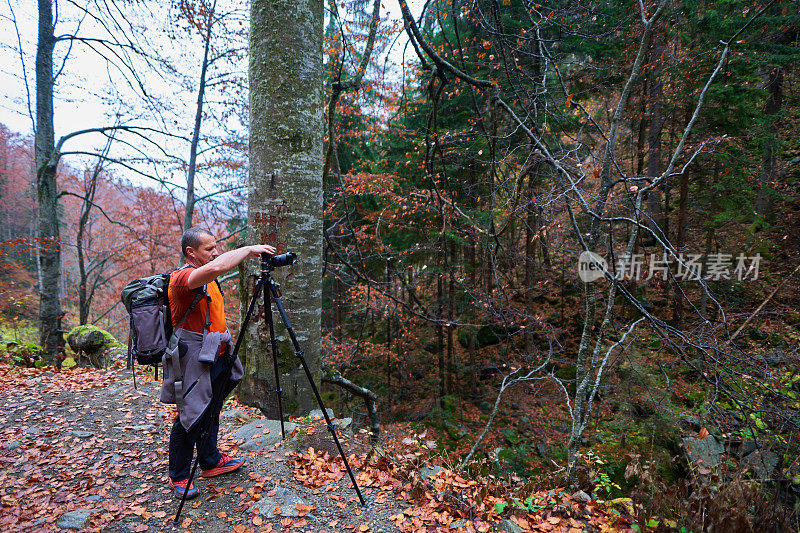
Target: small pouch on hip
x,y
209,350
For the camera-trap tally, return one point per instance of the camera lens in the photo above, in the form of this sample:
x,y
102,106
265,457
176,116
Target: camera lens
x,y
283,260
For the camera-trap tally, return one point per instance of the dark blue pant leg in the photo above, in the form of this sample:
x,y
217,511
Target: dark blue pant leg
x,y
182,442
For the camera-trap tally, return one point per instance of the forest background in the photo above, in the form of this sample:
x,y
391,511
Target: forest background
x,y
460,186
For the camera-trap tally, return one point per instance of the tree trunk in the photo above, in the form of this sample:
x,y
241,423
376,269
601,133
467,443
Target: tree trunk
x,y
440,337
655,96
774,85
530,247
543,241
677,298
451,304
285,189
641,132
198,120
83,303
46,187
472,265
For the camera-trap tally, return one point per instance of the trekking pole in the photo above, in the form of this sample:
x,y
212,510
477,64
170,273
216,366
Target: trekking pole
x,y
208,417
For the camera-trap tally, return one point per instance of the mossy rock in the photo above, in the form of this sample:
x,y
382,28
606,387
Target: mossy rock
x,y
449,404
93,342
86,328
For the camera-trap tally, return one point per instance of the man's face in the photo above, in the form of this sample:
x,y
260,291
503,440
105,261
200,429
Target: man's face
x,y
205,252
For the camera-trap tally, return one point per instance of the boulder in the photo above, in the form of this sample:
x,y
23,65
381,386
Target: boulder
x,y
762,462
93,342
343,423
581,497
284,499
707,452
318,413
262,433
426,473
508,526
75,519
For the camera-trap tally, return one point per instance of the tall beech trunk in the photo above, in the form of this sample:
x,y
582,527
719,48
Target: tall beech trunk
x,y
285,190
46,188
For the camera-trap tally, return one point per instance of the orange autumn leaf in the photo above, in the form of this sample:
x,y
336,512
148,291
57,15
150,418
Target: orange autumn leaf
x,y
568,101
257,520
703,434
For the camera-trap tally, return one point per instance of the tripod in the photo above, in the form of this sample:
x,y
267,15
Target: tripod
x,y
266,285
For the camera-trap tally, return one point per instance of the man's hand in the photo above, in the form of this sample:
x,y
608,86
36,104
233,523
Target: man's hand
x,y
258,249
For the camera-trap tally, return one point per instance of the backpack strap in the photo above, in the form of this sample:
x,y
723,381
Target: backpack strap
x,y
197,298
130,354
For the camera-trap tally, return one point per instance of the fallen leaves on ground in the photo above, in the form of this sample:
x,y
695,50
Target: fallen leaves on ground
x,y
449,498
79,439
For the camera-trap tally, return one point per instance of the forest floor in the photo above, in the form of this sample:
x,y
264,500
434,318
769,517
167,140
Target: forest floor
x,y
83,449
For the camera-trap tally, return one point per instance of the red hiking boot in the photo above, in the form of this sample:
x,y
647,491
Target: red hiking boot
x,y
226,464
179,487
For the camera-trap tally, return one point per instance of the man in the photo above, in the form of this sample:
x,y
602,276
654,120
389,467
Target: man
x,y
205,347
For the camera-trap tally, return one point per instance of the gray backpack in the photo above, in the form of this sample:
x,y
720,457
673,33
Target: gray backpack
x,y
147,302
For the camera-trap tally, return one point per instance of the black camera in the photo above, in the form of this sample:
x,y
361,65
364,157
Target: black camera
x,y
277,261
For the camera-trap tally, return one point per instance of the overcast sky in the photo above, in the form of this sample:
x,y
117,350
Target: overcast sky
x,y
91,91
83,86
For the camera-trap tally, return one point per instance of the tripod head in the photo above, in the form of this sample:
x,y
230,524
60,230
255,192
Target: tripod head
x,y
268,262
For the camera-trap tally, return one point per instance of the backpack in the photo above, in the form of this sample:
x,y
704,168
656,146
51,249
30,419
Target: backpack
x,y
147,302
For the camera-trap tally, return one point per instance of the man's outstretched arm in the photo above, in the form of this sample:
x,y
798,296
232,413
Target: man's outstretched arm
x,y
209,272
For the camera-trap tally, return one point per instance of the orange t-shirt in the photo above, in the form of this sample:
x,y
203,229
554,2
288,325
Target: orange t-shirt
x,y
180,298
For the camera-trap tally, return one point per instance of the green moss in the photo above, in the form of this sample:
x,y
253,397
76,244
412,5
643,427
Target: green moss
x,y
83,330
286,357
291,406
19,331
696,398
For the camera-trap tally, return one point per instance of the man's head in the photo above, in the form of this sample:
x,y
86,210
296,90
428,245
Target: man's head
x,y
198,246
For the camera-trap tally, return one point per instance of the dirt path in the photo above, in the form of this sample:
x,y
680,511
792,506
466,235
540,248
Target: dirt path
x,y
85,444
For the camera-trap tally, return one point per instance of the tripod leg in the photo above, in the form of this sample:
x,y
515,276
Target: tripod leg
x,y
299,353
209,415
268,320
